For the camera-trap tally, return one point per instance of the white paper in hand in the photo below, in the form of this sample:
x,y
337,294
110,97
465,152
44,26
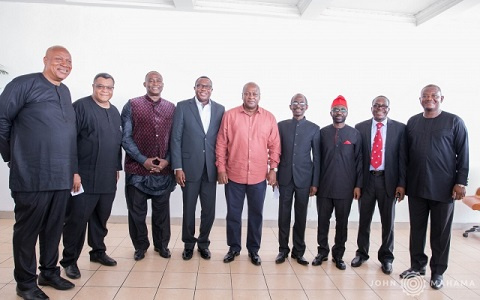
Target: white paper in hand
x,y
79,191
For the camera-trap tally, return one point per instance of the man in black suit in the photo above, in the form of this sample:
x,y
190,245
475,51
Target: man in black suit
x,y
383,180
297,174
194,133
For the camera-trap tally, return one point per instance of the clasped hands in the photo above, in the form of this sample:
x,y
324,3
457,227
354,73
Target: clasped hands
x,y
155,164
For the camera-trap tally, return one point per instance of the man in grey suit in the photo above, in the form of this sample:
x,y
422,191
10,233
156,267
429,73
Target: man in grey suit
x,y
297,174
384,169
194,133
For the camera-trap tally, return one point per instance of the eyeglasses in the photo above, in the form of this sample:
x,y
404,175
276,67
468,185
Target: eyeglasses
x,y
380,106
203,86
104,87
302,104
342,110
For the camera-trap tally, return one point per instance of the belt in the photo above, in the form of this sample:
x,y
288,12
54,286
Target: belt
x,y
377,173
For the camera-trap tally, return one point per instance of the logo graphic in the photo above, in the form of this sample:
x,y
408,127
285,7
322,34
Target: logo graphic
x,y
413,285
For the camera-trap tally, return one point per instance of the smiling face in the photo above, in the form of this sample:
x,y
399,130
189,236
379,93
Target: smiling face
x,y
58,64
298,106
430,98
103,90
154,84
380,108
203,89
339,114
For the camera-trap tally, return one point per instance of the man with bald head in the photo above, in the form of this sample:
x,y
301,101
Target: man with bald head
x,y
384,180
147,125
298,174
38,141
437,173
247,153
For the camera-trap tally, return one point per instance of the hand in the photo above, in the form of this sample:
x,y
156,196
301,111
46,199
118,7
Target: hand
x,y
155,164
222,178
357,193
313,191
77,182
399,193
272,177
180,177
458,192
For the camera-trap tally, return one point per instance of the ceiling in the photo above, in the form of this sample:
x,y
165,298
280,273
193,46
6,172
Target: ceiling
x,y
406,11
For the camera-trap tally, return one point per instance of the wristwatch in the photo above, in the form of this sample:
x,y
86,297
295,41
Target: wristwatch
x,y
460,185
274,170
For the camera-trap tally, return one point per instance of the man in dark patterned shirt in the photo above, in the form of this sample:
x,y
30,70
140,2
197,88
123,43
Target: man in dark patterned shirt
x,y
147,124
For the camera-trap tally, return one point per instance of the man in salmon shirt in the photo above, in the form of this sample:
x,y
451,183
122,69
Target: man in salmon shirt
x,y
247,152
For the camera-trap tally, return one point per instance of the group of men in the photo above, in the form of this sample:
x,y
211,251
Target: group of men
x,y
65,160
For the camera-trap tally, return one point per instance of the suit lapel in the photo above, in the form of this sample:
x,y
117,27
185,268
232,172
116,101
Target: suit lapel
x,y
369,137
214,112
194,109
390,132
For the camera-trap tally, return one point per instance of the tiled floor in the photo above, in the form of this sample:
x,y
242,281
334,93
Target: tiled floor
x,y
159,278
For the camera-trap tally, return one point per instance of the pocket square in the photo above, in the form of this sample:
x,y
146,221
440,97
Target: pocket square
x,y
347,142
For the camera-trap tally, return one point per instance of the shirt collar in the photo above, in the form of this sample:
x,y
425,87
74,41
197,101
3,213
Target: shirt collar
x,y
200,103
384,122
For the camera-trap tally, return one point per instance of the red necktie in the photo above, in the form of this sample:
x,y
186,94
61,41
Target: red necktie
x,y
377,147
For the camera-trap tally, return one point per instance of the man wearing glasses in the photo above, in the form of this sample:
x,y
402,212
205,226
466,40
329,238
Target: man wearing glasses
x,y
384,179
297,175
99,141
340,181
194,133
248,152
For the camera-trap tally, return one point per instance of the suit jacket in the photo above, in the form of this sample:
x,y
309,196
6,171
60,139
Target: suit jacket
x,y
191,149
395,154
300,141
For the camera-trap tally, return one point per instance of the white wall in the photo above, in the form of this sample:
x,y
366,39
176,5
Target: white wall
x,y
284,56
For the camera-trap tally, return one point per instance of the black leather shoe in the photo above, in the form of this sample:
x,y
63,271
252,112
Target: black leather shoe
x,y
72,271
187,254
300,259
32,294
387,267
56,282
139,254
319,259
436,282
255,258
164,252
357,261
412,273
281,257
339,263
205,253
103,259
230,256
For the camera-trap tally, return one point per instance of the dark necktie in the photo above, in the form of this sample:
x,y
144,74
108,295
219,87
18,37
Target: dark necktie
x,y
377,147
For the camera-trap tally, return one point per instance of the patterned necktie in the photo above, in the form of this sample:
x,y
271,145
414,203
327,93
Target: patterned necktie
x,y
377,147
